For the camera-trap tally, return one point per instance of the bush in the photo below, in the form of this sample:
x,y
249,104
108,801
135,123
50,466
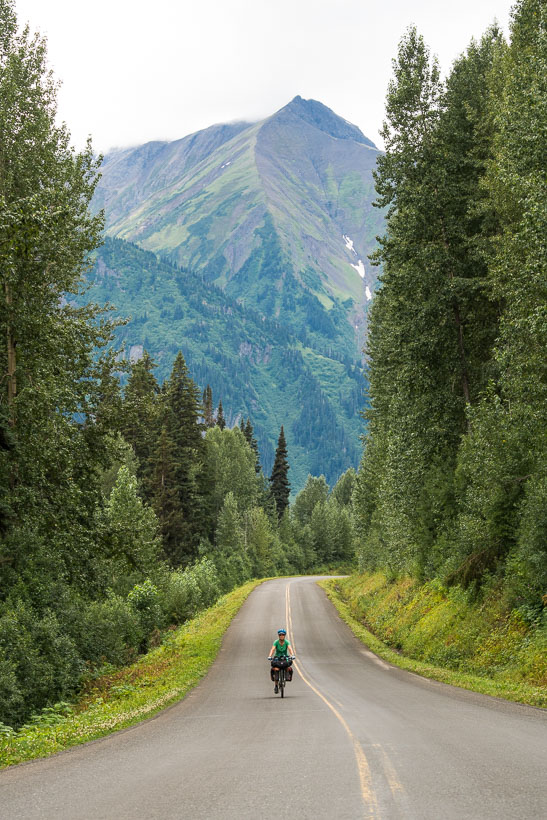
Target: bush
x,y
38,662
190,590
145,600
112,631
207,581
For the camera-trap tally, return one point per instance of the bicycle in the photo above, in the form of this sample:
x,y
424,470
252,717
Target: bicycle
x,y
281,666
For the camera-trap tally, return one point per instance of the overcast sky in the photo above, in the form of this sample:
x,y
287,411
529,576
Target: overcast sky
x,y
137,70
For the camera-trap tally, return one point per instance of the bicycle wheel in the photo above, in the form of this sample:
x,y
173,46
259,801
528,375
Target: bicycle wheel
x,y
282,683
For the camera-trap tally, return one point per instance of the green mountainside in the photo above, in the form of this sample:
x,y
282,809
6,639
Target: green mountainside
x,y
263,231
257,366
273,212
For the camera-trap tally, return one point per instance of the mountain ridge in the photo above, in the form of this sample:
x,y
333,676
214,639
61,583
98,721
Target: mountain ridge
x,y
202,200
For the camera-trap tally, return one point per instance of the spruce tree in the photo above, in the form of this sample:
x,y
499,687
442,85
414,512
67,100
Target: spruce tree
x,y
140,415
279,483
220,421
181,417
165,497
208,412
248,433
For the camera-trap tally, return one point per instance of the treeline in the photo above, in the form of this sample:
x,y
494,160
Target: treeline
x,y
453,481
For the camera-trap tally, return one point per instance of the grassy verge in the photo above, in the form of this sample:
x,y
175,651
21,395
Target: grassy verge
x,y
441,635
126,696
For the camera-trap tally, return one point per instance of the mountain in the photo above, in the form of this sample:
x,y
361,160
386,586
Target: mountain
x,y
275,212
271,223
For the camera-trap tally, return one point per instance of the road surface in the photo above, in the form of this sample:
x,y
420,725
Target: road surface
x,y
354,738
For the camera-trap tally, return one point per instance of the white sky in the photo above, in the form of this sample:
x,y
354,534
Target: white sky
x,y
137,70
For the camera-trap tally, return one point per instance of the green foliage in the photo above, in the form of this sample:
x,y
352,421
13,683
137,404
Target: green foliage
x,y
130,533
115,701
451,484
443,634
110,630
279,481
315,492
105,474
40,661
145,600
232,463
343,489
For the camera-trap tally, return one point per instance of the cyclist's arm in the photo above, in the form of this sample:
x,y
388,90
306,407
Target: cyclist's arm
x,y
272,651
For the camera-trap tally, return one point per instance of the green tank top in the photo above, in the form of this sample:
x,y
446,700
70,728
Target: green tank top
x,y
282,649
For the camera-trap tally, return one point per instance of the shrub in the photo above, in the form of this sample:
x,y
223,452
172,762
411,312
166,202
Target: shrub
x,y
188,591
112,632
38,662
145,600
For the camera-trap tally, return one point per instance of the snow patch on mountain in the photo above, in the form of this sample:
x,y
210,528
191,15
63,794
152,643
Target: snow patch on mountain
x,y
368,294
360,268
349,243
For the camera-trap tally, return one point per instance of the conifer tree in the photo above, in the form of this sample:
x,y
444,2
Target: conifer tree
x,y
166,498
248,433
181,417
208,412
221,421
140,414
108,399
279,483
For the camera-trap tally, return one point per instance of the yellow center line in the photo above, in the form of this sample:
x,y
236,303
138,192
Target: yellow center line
x,y
390,773
367,792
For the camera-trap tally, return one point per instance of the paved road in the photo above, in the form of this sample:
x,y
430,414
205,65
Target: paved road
x,y
353,738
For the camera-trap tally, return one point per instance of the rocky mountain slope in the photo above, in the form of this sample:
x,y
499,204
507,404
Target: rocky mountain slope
x,y
277,212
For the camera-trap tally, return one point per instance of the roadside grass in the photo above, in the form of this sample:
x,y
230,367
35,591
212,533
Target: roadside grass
x,y
440,634
126,696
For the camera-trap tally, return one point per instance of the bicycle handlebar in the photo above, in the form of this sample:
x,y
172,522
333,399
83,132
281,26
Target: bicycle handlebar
x,y
289,657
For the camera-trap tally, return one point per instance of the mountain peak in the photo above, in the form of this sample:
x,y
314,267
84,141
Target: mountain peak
x,y
323,118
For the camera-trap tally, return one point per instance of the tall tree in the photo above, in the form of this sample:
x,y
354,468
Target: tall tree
x,y
251,441
165,496
140,414
503,462
181,417
208,412
433,324
232,465
279,482
220,420
46,235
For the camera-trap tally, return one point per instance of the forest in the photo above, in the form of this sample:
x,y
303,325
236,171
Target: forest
x,y
453,481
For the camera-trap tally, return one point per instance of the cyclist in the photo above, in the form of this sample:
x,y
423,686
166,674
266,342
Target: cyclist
x,y
281,650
